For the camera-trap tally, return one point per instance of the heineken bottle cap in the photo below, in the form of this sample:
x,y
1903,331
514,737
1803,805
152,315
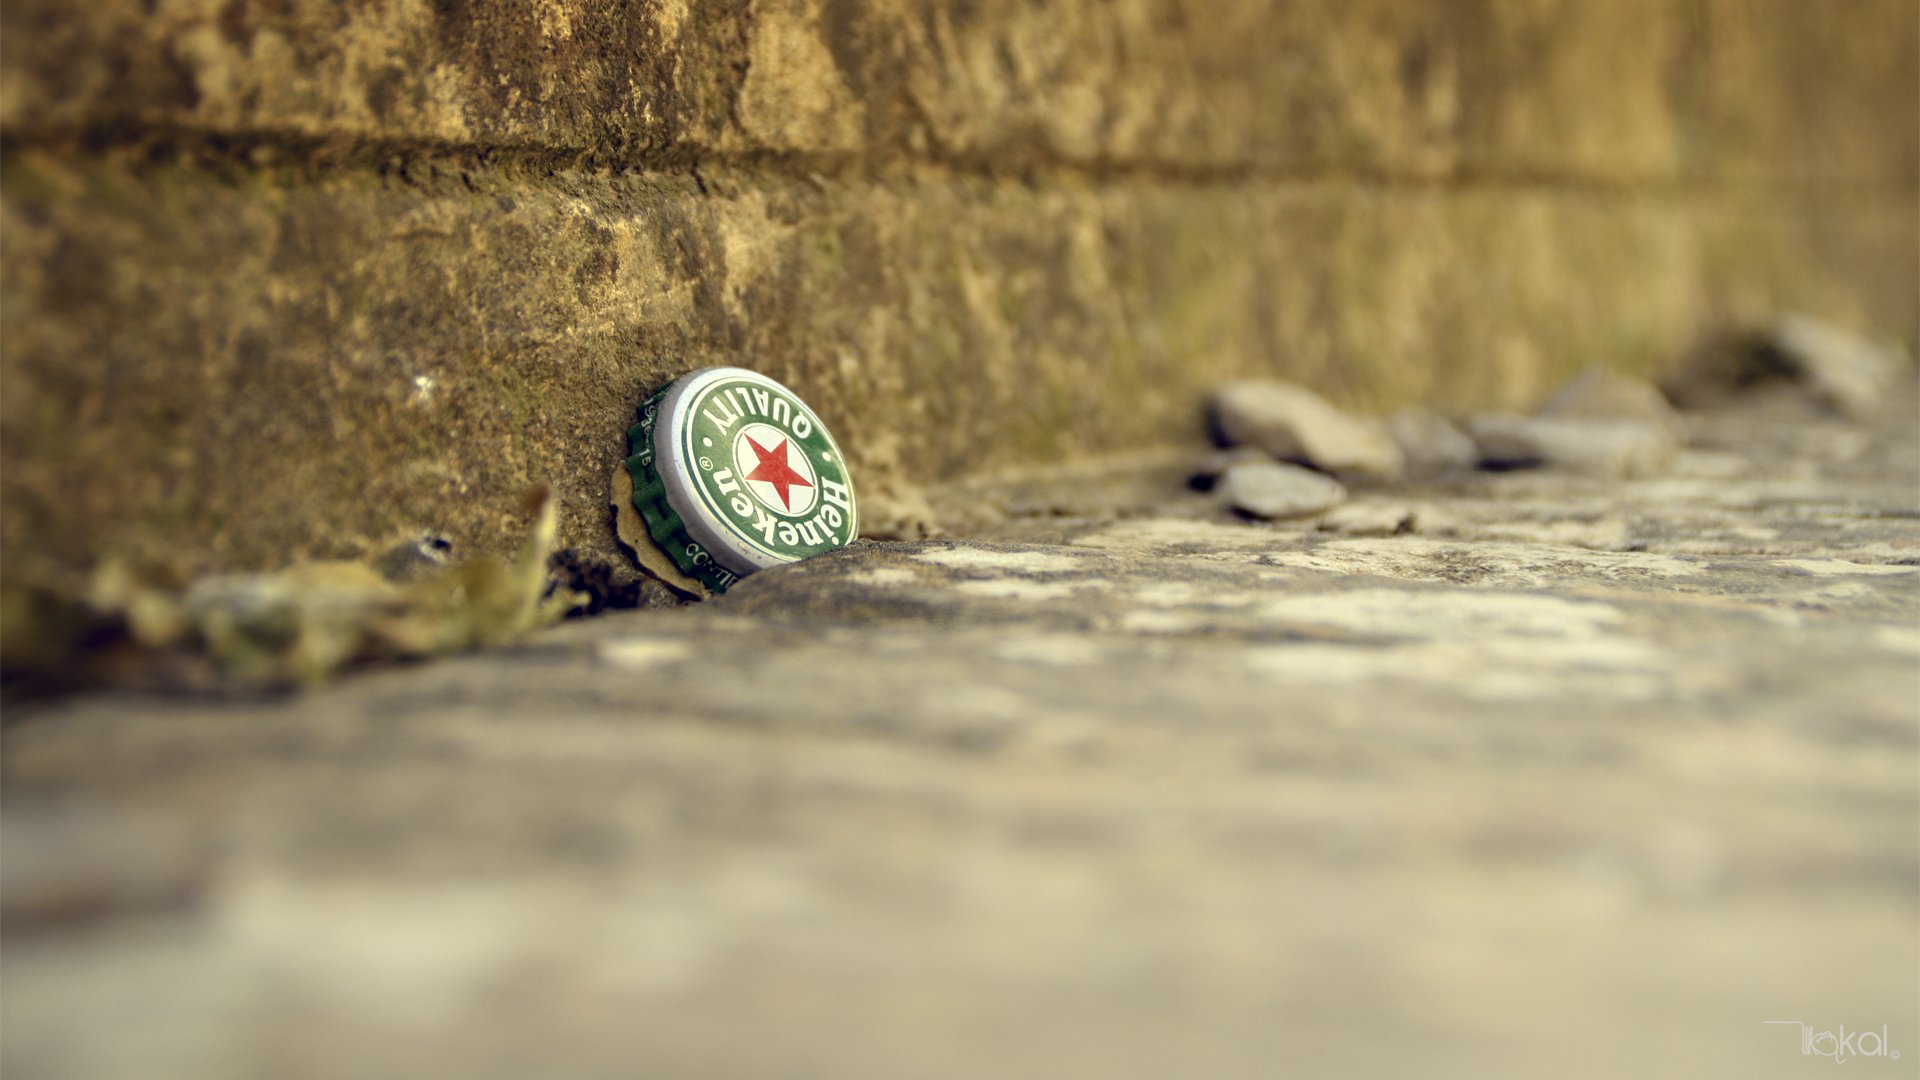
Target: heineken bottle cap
x,y
732,473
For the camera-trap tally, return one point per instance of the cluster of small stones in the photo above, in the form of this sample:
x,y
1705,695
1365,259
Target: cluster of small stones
x,y
1291,454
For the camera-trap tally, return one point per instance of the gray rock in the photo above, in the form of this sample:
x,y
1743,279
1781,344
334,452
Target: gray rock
x,y
1838,368
1833,368
1602,394
1610,448
1206,475
1295,424
1369,519
1430,443
1269,489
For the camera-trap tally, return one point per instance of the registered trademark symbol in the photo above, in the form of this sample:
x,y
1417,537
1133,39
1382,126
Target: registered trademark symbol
x,y
706,463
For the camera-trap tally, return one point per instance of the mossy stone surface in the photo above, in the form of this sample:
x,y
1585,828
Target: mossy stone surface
x,y
288,280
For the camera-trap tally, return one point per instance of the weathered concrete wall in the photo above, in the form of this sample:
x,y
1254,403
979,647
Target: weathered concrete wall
x,y
289,278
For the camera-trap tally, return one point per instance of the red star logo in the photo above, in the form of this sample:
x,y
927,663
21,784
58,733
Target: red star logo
x,y
773,469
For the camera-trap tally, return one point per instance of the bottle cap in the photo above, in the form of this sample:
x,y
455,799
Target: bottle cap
x,y
732,473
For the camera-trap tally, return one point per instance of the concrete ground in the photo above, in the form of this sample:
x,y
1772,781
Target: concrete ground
x,y
1517,774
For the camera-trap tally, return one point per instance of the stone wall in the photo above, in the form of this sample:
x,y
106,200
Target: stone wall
x,y
291,278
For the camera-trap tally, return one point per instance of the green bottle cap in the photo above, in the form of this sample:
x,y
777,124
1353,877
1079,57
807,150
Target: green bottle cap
x,y
732,473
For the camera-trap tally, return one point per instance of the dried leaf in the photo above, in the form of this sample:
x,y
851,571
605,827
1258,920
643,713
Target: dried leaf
x,y
298,625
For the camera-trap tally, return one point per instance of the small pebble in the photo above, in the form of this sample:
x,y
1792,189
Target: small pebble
x,y
1269,489
1292,423
1430,443
1206,475
1840,369
1830,367
1607,448
1369,519
1602,394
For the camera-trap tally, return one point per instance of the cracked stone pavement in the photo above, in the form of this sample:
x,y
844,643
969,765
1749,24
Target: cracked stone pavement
x,y
1519,774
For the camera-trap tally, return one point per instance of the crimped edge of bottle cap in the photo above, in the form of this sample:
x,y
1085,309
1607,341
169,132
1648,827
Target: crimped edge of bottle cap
x,y
663,523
